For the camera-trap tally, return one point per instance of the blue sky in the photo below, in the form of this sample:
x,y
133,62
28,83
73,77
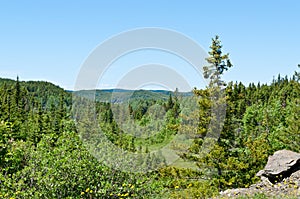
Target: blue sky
x,y
49,40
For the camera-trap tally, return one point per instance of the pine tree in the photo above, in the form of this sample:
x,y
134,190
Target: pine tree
x,y
212,112
176,105
62,113
218,63
17,92
169,105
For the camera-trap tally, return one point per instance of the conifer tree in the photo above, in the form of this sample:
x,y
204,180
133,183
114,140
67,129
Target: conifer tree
x,y
212,112
218,63
62,113
17,92
169,105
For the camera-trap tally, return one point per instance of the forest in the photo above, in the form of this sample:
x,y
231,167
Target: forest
x,y
48,135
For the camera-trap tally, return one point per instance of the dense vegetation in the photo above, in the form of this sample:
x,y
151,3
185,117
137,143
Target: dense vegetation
x,y
44,145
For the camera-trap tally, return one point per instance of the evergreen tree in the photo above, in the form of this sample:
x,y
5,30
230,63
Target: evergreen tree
x,y
17,92
212,108
218,63
169,105
176,106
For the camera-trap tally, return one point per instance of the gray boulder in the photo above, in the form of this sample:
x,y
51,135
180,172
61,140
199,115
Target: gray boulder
x,y
280,178
280,165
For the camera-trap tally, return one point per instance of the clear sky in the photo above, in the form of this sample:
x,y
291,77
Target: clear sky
x,y
49,40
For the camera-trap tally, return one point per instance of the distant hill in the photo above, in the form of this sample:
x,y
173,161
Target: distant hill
x,y
42,91
122,95
46,91
33,86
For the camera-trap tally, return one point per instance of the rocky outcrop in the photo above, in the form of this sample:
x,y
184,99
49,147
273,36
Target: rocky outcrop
x,y
280,166
289,187
280,178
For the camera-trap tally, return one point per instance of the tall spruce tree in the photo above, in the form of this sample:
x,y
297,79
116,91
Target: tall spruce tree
x,y
218,63
212,114
17,92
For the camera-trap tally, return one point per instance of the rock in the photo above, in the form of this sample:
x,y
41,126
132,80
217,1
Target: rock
x,y
233,192
294,179
280,178
280,165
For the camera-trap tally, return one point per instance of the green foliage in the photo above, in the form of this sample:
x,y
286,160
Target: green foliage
x,y
218,62
42,154
260,119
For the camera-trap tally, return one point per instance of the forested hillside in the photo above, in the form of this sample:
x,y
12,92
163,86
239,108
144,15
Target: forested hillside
x,y
42,155
121,95
62,144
